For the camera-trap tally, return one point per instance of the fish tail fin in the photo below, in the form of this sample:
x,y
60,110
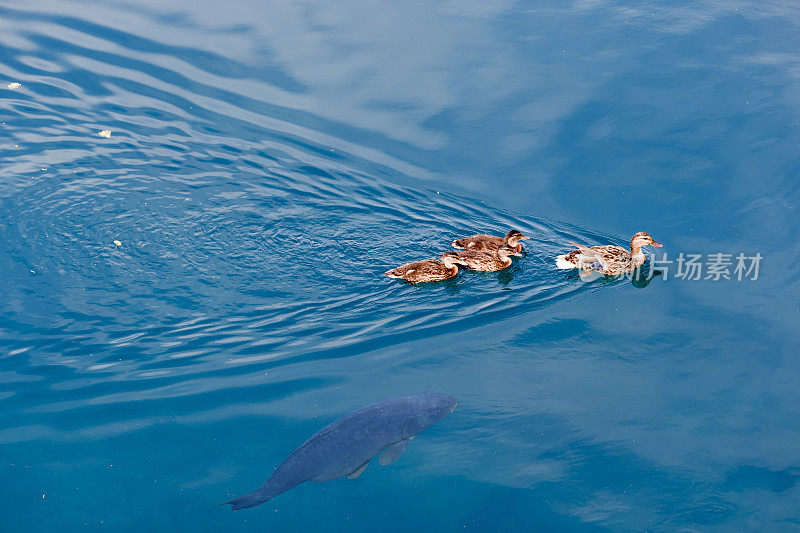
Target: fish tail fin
x,y
248,500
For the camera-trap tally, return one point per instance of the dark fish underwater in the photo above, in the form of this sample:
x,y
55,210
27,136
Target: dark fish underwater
x,y
345,446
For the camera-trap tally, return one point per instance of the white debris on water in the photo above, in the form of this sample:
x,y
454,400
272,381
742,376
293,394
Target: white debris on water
x,y
105,133
117,243
14,85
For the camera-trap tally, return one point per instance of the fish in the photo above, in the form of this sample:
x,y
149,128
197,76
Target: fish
x,y
347,445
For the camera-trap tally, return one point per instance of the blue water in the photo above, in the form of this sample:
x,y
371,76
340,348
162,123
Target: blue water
x,y
268,161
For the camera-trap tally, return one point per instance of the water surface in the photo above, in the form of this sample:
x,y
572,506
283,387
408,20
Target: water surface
x,y
268,162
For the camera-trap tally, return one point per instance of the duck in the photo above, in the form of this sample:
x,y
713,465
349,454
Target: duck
x,y
428,269
490,242
609,260
487,261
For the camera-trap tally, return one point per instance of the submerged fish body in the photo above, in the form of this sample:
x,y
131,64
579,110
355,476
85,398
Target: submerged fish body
x,y
345,446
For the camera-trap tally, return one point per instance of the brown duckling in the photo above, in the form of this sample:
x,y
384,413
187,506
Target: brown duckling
x,y
490,242
428,270
487,261
610,260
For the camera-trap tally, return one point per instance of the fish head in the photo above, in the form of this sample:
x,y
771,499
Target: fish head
x,y
427,410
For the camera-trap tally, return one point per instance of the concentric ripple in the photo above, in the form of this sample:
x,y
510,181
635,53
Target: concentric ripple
x,y
244,242
247,267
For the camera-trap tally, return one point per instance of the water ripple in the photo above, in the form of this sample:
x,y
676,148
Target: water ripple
x,y
247,242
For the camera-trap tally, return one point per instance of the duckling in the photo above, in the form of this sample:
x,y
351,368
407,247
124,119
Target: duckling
x,y
610,260
487,261
490,242
428,270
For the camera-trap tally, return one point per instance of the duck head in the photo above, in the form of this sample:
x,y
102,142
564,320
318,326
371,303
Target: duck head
x,y
643,239
513,237
451,259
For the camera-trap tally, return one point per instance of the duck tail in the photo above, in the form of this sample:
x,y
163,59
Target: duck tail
x,y
392,273
457,244
561,262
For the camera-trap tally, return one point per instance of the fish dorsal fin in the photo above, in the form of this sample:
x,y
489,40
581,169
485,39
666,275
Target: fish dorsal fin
x,y
336,424
392,452
358,471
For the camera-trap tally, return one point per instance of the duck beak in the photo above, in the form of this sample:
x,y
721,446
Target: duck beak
x,y
656,244
524,238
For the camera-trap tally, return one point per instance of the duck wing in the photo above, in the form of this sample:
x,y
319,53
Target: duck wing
x,y
426,270
609,255
430,266
479,242
481,260
596,257
408,269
